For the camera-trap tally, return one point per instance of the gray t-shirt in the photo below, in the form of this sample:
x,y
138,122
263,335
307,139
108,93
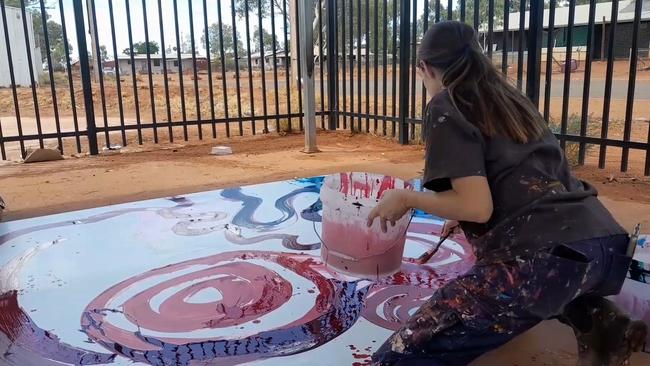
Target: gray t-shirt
x,y
538,204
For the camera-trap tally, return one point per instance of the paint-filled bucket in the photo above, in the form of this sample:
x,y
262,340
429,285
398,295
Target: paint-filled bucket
x,y
349,246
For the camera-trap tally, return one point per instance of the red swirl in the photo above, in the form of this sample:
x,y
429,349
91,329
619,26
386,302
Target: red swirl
x,y
392,301
249,291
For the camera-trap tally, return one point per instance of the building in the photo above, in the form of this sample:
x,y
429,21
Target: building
x,y
19,50
281,56
141,65
602,26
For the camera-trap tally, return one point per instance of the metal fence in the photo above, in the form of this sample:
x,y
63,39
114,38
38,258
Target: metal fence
x,y
224,68
166,71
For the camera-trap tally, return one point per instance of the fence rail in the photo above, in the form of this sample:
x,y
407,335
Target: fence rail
x,y
131,71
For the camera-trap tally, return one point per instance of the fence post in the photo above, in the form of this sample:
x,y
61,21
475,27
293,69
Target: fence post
x,y
332,65
84,64
534,46
306,49
404,58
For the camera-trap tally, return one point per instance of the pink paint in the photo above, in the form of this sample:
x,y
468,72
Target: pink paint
x,y
249,291
349,246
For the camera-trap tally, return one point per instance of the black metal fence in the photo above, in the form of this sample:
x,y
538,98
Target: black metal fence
x,y
154,70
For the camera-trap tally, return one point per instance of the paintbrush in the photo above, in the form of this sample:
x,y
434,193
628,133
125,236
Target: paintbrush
x,y
430,253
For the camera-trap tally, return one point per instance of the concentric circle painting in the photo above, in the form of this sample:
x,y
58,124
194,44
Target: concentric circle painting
x,y
226,277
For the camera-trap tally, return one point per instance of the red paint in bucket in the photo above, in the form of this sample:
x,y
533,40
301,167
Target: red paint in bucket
x,y
349,246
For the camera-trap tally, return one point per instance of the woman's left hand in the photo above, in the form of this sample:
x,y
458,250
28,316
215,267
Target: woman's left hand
x,y
390,208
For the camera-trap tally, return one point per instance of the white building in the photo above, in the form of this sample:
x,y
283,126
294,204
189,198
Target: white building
x,y
18,50
141,67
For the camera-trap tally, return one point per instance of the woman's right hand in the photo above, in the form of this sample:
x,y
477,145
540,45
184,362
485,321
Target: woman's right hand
x,y
452,226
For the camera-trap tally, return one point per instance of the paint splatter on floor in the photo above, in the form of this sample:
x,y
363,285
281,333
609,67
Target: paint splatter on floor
x,y
230,276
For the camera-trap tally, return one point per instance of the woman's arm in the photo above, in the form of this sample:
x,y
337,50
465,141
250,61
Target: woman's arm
x,y
469,199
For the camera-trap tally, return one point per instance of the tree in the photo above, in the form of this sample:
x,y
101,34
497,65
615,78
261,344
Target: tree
x,y
268,40
228,39
103,52
54,33
142,48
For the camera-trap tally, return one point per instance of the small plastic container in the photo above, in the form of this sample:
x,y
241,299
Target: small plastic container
x,y
349,245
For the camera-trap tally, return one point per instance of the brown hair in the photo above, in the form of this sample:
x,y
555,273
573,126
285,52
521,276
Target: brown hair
x,y
480,92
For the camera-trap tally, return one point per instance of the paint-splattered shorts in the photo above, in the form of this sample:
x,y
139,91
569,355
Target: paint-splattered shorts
x,y
491,304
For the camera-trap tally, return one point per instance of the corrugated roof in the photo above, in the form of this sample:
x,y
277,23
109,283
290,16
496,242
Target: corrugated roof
x,y
603,10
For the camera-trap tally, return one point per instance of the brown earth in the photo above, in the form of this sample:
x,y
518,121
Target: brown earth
x,y
152,171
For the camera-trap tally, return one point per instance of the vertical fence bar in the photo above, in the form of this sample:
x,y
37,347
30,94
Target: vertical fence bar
x,y
352,59
404,50
116,65
384,106
520,48
477,21
425,26
237,83
567,75
490,27
412,68
584,118
344,66
12,77
223,68
73,103
152,97
275,68
99,65
535,33
197,98
55,105
608,85
3,152
367,66
206,33
320,63
504,41
359,63
629,105
376,64
28,48
251,93
437,17
550,42
450,9
394,84
263,66
85,77
180,69
300,106
332,62
463,9
286,63
133,72
170,130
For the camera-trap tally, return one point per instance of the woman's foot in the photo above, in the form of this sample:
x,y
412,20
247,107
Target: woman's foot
x,y
606,336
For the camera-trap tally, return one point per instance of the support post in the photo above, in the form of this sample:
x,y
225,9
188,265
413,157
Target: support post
x,y
534,46
305,22
404,58
84,65
332,65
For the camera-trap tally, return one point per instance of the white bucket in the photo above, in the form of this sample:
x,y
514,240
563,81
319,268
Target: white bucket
x,y
349,246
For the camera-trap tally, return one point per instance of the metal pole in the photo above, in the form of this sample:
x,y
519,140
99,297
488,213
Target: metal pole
x,y
85,77
404,55
332,61
305,21
534,46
